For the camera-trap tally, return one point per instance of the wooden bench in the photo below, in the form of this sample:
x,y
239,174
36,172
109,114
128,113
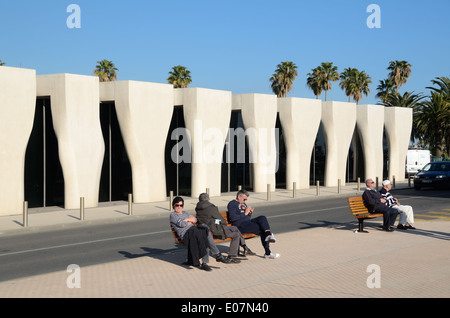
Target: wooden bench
x,y
225,216
359,211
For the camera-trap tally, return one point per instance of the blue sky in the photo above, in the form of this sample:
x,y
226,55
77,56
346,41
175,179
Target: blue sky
x,y
229,45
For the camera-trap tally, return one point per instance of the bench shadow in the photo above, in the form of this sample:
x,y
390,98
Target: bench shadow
x,y
374,226
176,255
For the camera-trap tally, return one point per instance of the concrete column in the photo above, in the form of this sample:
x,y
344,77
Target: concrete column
x,y
207,116
398,126
339,120
259,114
144,111
370,124
17,108
75,112
300,121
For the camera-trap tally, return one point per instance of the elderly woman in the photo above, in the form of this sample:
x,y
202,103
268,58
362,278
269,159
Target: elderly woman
x,y
197,238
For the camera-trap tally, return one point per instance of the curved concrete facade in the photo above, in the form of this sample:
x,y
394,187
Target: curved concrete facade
x,y
144,111
300,119
17,108
339,120
75,112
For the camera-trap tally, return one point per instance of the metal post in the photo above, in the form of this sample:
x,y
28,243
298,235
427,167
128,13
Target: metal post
x,y
81,209
25,214
317,187
409,180
130,204
207,191
376,183
339,185
294,187
239,187
170,200
268,192
393,181
358,188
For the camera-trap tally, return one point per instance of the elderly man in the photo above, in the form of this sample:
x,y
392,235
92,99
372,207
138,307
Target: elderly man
x,y
376,204
406,211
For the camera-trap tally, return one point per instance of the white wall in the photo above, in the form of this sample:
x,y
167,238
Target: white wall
x,y
259,115
17,108
370,125
207,116
144,111
398,126
339,120
75,113
300,121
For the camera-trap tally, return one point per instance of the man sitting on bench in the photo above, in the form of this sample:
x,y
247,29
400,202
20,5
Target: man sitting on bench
x,y
376,204
208,214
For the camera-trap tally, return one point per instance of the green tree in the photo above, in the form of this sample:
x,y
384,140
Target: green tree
x,y
432,121
399,73
1,63
283,79
180,77
312,81
106,71
327,73
355,83
385,89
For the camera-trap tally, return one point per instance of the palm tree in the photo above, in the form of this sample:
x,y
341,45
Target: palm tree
x,y
106,71
312,81
283,79
444,86
355,83
1,63
432,121
180,77
400,72
408,99
385,89
327,73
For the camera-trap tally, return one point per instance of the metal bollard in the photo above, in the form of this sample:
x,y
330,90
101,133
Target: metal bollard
x,y
239,187
339,185
317,187
376,183
130,204
81,209
25,214
358,188
268,192
393,181
170,200
294,190
207,191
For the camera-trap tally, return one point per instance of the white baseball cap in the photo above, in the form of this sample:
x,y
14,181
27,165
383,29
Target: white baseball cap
x,y
386,182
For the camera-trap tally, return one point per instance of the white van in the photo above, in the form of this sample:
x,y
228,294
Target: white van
x,y
416,159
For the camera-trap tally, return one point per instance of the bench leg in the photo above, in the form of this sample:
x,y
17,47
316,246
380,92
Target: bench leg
x,y
361,227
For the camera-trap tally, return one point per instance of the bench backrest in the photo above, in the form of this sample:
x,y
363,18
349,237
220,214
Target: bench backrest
x,y
356,205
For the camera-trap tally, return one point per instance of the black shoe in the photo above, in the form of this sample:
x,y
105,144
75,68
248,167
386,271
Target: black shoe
x,y
388,229
205,267
409,226
401,227
233,259
248,252
222,259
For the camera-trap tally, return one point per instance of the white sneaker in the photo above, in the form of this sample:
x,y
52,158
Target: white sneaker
x,y
271,238
272,255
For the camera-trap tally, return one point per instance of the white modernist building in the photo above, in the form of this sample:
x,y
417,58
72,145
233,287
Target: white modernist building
x,y
144,112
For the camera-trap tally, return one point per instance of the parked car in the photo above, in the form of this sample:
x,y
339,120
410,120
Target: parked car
x,y
433,174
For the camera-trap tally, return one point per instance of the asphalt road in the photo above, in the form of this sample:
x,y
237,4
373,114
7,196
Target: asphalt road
x,y
28,254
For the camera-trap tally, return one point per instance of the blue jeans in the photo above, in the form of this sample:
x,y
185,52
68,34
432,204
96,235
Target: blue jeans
x,y
257,226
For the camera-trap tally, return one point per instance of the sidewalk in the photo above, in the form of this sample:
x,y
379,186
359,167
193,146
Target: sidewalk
x,y
320,262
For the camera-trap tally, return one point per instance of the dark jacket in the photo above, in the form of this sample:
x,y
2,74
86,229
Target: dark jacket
x,y
371,200
208,213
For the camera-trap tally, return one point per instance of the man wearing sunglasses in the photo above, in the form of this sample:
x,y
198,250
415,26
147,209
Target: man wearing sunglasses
x,y
376,204
240,216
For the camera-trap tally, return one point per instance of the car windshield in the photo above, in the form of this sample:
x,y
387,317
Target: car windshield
x,y
437,167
